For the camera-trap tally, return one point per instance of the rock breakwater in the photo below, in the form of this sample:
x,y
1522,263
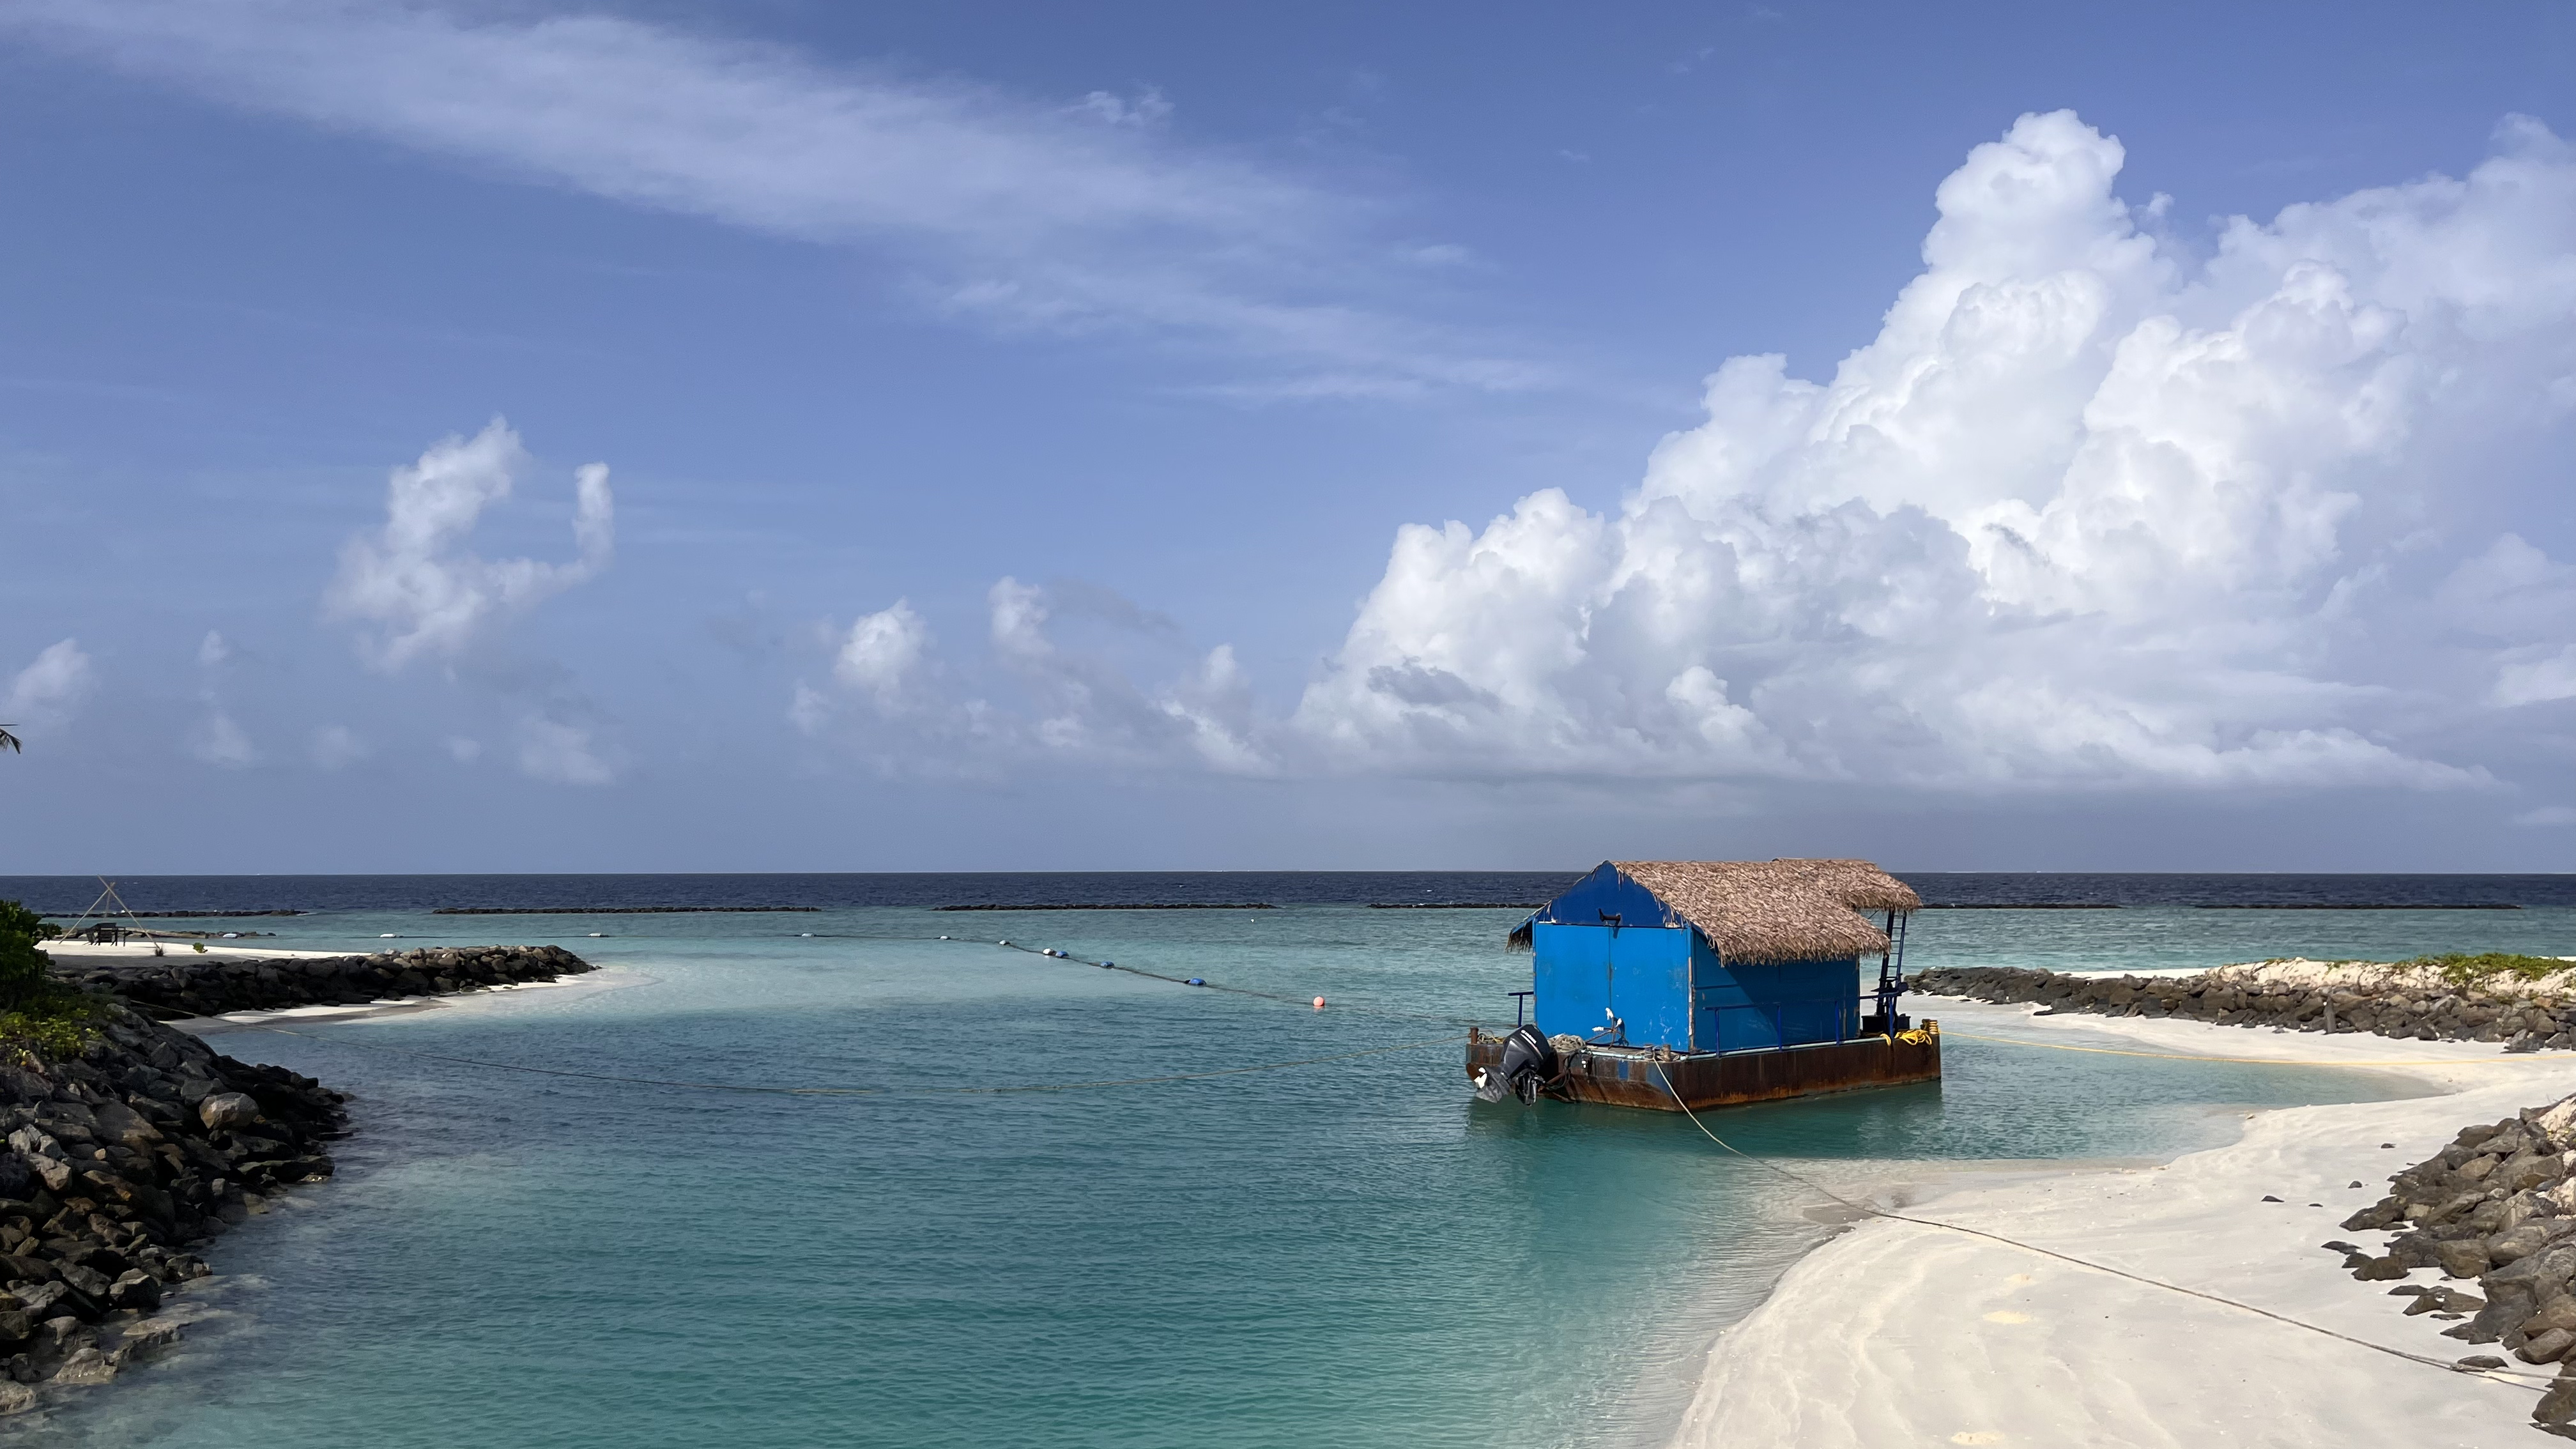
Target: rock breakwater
x,y
120,1161
174,987
2390,1001
2497,1205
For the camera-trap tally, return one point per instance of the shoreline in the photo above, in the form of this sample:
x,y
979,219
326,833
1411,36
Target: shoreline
x,y
134,1151
598,978
1894,1333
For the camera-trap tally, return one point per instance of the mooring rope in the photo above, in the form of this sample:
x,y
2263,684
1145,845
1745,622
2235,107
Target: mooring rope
x,y
2517,1377
770,1091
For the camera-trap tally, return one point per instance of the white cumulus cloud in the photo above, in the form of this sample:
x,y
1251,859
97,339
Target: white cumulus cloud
x,y
2536,680
44,695
414,584
882,653
2089,510
216,739
336,747
2093,510
1079,703
561,753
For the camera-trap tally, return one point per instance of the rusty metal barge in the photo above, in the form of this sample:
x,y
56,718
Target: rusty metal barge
x,y
1693,984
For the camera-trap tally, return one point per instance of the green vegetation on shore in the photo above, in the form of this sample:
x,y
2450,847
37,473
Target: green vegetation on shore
x,y
2462,969
38,1015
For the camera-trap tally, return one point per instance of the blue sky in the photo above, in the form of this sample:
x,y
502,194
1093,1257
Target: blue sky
x,y
1172,436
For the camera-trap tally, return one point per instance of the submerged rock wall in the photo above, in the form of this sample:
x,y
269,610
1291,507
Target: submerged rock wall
x,y
120,1162
2402,1008
176,986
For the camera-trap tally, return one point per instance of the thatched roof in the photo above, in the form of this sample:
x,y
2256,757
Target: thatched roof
x,y
1778,910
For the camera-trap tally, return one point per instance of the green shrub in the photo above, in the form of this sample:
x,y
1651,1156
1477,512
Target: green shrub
x,y
2462,969
37,1013
56,1029
22,964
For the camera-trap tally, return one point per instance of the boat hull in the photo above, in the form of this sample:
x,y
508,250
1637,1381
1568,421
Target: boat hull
x,y
1636,1076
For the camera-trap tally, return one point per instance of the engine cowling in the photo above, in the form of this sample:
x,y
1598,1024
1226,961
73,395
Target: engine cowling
x,y
1530,1066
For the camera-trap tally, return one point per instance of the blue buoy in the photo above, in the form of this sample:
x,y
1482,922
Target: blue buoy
x,y
1105,965
1195,981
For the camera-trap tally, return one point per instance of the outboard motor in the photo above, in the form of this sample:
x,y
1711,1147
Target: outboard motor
x,y
1529,1067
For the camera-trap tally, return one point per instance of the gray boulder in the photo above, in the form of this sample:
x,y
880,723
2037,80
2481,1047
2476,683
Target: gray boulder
x,y
2537,1271
2515,1244
2556,1311
2558,1404
227,1109
139,1290
87,1280
2466,1258
151,1333
87,1366
2508,1308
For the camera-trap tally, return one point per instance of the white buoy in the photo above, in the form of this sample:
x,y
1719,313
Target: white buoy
x,y
389,936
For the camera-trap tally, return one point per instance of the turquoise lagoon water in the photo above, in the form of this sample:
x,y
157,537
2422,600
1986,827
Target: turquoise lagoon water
x,y
1354,1254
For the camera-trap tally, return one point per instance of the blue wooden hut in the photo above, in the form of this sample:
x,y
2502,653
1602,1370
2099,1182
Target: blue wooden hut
x,y
1688,959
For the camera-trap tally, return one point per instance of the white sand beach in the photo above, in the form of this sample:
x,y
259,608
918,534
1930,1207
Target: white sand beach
x,y
144,950
1896,1334
596,980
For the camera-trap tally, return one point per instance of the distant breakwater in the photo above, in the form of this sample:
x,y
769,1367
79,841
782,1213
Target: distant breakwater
x,y
1122,906
176,986
121,1160
2405,1008
617,910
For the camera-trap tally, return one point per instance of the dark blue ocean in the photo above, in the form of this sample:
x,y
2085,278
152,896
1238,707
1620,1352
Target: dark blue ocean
x,y
340,893
1349,1252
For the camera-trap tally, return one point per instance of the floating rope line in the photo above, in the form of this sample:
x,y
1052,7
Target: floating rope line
x,y
768,1091
2517,1377
1206,985
1046,952
2263,1061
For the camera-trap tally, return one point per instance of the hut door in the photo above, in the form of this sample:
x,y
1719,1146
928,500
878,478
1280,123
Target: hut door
x,y
1610,980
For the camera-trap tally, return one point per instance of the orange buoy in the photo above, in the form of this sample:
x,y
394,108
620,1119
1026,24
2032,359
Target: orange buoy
x,y
1319,1003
